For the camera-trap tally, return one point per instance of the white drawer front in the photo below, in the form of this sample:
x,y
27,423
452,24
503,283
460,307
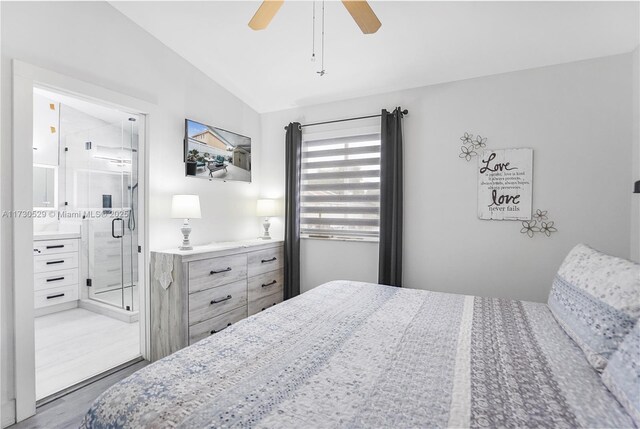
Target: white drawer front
x,y
216,324
265,284
55,262
263,261
214,272
57,295
263,303
55,279
48,247
213,302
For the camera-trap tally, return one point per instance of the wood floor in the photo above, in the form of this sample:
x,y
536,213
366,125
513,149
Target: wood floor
x,y
77,344
68,411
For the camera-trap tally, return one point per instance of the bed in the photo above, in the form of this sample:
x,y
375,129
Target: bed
x,y
360,355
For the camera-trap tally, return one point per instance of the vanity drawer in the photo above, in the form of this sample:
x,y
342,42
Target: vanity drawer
x,y
213,302
214,272
48,247
42,281
266,284
264,261
55,262
216,324
263,303
57,295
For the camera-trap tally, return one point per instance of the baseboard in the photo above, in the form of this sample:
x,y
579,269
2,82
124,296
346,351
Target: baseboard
x,y
110,311
55,308
8,413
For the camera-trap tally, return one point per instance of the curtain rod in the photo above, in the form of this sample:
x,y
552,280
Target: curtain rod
x,y
404,112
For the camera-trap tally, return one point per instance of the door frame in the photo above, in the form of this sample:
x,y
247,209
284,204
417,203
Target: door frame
x,y
26,77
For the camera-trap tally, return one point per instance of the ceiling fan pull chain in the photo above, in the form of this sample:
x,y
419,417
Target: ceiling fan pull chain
x,y
313,34
322,71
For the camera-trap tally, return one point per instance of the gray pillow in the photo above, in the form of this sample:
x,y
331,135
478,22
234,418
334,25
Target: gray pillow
x,y
622,374
596,299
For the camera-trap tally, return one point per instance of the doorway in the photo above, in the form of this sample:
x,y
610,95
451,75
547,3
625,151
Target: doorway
x,y
85,183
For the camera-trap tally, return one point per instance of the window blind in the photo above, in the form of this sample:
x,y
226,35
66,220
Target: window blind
x,y
340,189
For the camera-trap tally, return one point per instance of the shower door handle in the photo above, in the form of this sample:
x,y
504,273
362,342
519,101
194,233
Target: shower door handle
x,y
113,228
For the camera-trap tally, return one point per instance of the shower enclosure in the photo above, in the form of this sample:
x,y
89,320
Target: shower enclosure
x,y
101,166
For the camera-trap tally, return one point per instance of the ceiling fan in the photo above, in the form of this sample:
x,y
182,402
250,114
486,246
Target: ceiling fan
x,y
360,11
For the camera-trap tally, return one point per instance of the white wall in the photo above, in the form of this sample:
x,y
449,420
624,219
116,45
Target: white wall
x,y
107,49
635,141
578,119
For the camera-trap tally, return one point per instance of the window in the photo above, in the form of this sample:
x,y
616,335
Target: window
x,y
340,189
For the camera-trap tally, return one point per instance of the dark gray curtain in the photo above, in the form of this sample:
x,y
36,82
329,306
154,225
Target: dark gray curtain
x,y
390,252
293,166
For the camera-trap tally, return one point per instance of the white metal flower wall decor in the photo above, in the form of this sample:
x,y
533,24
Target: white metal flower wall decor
x,y
540,224
470,144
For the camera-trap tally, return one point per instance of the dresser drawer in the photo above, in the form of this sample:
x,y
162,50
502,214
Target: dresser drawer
x,y
216,324
55,262
213,302
264,261
54,279
214,272
48,247
263,303
57,295
265,284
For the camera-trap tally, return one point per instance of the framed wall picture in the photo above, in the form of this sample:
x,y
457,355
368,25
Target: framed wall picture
x,y
505,179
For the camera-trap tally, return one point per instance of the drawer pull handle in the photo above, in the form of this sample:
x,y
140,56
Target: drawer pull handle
x,y
269,284
57,246
55,262
269,306
268,260
220,271
214,331
216,301
59,295
55,279
37,250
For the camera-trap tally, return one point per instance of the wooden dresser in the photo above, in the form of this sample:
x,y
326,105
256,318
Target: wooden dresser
x,y
212,287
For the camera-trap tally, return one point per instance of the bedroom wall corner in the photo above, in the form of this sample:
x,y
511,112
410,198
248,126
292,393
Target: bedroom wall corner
x,y
635,142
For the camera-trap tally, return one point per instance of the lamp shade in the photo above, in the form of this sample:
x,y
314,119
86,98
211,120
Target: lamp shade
x,y
185,207
266,208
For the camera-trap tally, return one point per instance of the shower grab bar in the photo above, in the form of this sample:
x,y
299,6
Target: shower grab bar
x,y
113,228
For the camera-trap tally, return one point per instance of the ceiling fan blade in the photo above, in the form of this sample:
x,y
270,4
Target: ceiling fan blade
x,y
363,15
265,14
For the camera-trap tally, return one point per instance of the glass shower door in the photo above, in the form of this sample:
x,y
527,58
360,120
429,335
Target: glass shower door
x,y
101,174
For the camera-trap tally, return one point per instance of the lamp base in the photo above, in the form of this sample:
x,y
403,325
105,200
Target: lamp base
x,y
186,230
266,225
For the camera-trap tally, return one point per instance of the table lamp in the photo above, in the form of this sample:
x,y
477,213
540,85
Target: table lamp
x,y
185,207
266,208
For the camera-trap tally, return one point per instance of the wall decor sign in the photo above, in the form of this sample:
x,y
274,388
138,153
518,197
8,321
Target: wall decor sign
x,y
505,179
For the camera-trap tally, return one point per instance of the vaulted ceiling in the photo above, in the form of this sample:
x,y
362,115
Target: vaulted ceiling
x,y
420,43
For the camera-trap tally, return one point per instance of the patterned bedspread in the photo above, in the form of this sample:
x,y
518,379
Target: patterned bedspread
x,y
359,355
